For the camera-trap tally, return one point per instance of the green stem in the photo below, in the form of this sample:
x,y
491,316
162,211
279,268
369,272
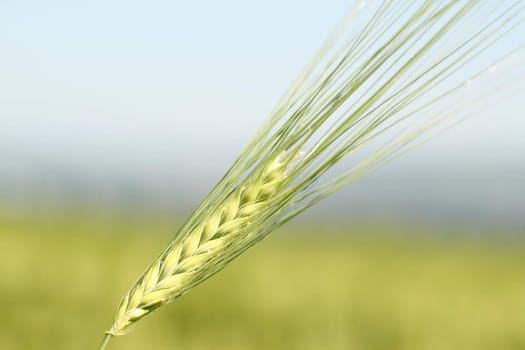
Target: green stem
x,y
105,341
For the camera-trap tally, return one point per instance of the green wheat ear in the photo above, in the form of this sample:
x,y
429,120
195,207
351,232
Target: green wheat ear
x,y
187,261
392,66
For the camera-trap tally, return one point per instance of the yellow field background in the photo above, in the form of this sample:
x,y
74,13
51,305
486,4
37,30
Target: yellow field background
x,y
356,288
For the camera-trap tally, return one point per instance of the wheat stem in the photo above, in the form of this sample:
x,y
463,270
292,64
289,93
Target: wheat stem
x,y
105,341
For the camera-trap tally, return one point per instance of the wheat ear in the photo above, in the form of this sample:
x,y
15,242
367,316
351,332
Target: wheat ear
x,y
184,263
391,66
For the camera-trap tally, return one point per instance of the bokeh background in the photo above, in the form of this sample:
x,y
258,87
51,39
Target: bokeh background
x,y
118,117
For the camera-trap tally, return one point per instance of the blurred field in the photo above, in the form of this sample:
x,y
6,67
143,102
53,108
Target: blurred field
x,y
63,276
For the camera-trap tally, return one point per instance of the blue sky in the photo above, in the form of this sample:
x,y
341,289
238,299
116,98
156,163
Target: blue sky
x,y
124,74
174,89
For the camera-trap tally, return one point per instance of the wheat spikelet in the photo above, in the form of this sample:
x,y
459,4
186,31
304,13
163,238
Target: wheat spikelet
x,y
182,264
